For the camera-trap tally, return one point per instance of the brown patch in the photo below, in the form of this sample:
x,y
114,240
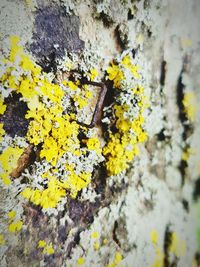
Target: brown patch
x,y
24,161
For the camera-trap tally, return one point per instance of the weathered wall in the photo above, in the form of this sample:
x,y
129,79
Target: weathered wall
x,y
147,214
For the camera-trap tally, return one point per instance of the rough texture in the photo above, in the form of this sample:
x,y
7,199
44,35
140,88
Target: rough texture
x,y
148,214
55,32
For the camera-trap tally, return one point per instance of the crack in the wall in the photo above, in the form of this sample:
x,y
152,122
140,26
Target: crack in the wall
x,y
187,127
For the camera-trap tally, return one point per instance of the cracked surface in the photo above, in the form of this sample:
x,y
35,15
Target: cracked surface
x,y
146,215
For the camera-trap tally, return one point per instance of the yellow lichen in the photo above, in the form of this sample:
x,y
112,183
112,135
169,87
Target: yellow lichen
x,y
115,75
93,144
126,61
80,261
190,105
2,132
2,106
57,132
49,126
122,146
95,235
72,85
96,245
15,226
48,249
187,153
82,102
159,255
159,258
93,74
8,161
116,261
154,237
11,214
46,198
77,182
178,246
118,257
41,243
2,240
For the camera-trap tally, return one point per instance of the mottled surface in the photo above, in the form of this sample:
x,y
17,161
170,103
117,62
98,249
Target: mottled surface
x,y
14,117
55,33
160,190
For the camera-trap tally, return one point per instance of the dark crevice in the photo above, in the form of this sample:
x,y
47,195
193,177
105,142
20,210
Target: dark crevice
x,y
149,33
109,99
197,258
185,205
75,242
161,135
48,63
115,238
14,119
183,118
130,15
119,188
167,242
82,213
99,177
196,193
182,115
134,51
107,21
163,73
122,42
180,96
182,168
